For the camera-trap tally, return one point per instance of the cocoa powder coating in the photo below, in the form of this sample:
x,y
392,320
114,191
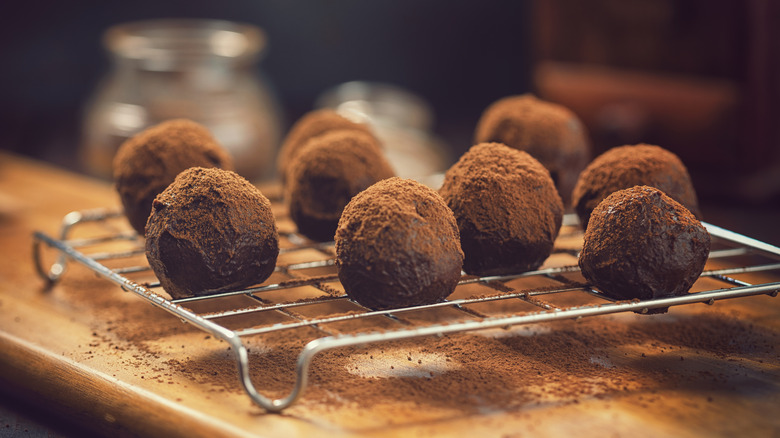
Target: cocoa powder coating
x,y
311,125
397,245
640,243
627,166
146,163
209,231
551,133
324,176
507,208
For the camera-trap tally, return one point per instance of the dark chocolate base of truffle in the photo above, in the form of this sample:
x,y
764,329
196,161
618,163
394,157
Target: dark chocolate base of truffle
x,y
390,285
189,272
652,272
492,257
317,229
316,203
137,210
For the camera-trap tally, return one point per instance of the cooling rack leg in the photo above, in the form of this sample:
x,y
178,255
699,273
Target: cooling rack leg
x,y
53,274
56,270
270,405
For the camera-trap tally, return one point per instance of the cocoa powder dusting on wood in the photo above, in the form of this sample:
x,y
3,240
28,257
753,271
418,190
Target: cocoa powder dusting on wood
x,y
504,370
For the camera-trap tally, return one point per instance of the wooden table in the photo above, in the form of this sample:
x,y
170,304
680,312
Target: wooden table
x,y
57,347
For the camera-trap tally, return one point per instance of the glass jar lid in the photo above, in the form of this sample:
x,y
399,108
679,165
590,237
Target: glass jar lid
x,y
176,44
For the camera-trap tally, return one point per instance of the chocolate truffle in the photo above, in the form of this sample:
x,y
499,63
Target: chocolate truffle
x,y
507,208
549,132
324,176
397,245
641,243
210,231
146,163
628,166
311,125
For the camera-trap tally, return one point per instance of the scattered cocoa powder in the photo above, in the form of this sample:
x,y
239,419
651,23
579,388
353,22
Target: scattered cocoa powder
x,y
568,361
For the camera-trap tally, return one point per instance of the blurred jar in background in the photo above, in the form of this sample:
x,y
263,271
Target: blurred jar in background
x,y
203,70
400,119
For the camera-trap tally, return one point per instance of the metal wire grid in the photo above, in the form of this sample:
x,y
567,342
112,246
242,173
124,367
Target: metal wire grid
x,y
298,274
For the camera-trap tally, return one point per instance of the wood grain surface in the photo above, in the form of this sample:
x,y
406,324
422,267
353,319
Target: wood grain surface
x,y
58,346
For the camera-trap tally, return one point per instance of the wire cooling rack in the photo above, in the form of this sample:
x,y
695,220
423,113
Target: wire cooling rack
x,y
304,291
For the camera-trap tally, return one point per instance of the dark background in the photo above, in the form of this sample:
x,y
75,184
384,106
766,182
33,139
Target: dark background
x,y
441,50
698,77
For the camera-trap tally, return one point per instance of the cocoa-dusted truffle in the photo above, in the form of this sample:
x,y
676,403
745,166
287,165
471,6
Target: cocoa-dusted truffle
x,y
549,132
627,166
146,163
640,243
324,176
312,124
210,231
507,208
397,245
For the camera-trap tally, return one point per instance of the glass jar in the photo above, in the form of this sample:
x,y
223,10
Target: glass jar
x,y
203,70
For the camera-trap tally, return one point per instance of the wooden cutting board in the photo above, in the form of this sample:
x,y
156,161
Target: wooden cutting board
x,y
64,348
